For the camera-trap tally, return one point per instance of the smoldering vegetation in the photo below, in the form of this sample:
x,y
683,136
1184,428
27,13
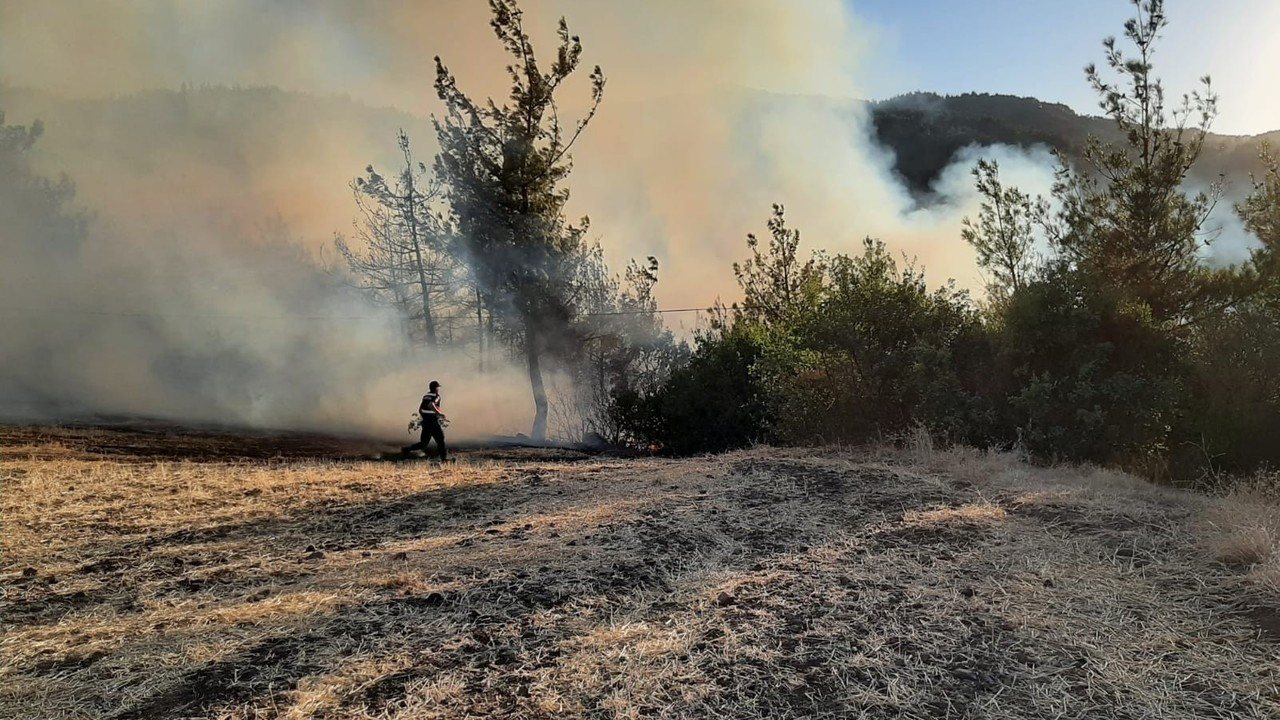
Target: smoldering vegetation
x,y
187,268
187,296
193,287
261,338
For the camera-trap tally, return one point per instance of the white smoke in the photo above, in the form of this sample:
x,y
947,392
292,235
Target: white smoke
x,y
172,307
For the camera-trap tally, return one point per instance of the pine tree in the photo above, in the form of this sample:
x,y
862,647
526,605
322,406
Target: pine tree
x,y
1002,235
1125,218
504,167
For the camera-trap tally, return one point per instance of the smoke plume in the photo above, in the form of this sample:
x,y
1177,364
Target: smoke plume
x,y
196,294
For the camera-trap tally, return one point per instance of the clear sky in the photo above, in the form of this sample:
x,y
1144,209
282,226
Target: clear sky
x,y
1040,47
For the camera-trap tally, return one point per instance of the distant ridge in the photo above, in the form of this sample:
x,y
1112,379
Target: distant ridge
x,y
926,129
246,129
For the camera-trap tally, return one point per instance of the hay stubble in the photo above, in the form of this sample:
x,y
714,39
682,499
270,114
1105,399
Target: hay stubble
x,y
760,584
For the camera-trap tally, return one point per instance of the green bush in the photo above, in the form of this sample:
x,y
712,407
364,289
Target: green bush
x,y
1094,377
882,352
1233,418
869,352
713,403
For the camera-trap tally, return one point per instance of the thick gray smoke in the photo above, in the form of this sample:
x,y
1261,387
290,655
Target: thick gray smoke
x,y
192,327
183,301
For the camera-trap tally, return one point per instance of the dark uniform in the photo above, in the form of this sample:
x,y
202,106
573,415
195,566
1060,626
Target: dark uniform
x,y
431,429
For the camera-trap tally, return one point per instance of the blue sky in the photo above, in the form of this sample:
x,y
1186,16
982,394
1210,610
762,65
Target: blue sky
x,y
1040,47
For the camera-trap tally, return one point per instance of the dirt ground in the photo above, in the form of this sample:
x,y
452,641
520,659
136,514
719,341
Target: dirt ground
x,y
168,574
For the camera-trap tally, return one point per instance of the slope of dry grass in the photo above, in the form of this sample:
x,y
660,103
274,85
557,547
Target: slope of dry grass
x,y
761,584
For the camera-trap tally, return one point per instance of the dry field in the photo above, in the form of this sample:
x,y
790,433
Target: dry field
x,y
166,576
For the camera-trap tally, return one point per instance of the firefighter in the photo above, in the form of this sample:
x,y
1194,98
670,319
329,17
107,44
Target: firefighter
x,y
432,418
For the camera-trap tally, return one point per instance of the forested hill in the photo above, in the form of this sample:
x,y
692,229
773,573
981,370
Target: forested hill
x,y
249,152
924,130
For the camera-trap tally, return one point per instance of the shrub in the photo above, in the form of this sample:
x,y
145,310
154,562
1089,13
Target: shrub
x,y
713,403
1095,378
882,352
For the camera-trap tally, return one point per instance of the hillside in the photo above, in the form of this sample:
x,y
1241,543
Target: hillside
x,y
244,154
762,584
924,130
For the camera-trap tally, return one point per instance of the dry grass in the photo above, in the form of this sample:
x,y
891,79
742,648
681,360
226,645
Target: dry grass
x,y
1243,530
1240,529
762,584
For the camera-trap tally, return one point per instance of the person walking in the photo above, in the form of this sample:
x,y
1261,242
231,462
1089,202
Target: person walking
x,y
431,416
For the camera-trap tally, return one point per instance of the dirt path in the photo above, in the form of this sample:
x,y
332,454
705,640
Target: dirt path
x,y
753,585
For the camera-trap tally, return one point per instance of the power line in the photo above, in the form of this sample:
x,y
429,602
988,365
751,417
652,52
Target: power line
x,y
32,311
186,316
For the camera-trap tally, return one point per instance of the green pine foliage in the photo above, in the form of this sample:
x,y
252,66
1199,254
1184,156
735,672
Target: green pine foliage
x,y
1104,335
504,167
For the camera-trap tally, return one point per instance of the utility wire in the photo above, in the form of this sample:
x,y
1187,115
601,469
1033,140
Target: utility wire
x,y
31,311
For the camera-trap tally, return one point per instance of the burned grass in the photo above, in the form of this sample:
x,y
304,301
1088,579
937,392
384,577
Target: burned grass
x,y
759,584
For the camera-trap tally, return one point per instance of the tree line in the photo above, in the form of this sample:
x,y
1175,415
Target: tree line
x,y
1103,335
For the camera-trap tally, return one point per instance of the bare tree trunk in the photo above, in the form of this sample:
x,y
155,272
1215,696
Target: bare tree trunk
x,y
427,319
480,329
531,350
600,391
491,336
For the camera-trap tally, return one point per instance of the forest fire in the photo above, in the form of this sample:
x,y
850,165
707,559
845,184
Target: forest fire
x,y
996,439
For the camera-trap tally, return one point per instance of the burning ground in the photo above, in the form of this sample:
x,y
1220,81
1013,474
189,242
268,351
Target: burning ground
x,y
186,576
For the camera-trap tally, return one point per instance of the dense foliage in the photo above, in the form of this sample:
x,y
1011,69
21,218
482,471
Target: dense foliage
x,y
1104,336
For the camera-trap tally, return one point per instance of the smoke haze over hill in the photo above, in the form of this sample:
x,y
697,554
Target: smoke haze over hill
x,y
713,111
684,159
